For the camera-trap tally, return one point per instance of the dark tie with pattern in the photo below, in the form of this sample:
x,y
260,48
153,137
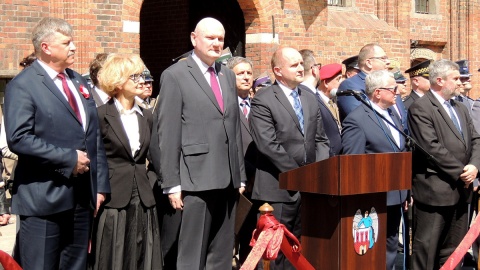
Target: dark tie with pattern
x,y
244,108
215,87
297,107
453,117
71,98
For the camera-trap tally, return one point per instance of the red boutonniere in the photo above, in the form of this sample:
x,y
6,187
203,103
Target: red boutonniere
x,y
84,92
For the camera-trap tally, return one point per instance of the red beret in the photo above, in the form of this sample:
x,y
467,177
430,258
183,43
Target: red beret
x,y
330,70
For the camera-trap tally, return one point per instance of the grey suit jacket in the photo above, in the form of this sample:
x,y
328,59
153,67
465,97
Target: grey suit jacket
x,y
45,134
439,184
280,143
200,147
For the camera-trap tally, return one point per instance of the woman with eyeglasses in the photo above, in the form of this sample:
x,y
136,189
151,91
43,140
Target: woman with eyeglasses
x,y
126,232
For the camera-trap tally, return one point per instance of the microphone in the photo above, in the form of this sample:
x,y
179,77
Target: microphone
x,y
348,93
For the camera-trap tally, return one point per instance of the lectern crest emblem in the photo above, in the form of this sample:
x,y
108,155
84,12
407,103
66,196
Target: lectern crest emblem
x,y
365,230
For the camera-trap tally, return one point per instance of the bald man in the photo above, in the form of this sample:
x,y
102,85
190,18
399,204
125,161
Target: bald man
x,y
287,127
201,157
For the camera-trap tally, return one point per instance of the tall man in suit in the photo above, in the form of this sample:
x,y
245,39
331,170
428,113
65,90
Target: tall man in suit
x,y
370,58
201,156
61,176
442,187
288,131
419,82
364,132
328,109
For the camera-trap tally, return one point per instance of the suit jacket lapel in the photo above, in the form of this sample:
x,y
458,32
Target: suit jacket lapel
x,y
76,83
48,82
306,112
381,123
198,76
399,125
445,115
286,104
244,121
224,85
142,130
112,117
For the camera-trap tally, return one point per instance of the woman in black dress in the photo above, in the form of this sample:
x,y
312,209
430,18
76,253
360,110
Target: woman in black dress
x,y
126,232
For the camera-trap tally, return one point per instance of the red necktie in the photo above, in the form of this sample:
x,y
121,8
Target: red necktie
x,y
71,98
215,87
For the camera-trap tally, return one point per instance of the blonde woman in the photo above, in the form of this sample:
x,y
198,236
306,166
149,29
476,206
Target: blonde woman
x,y
127,233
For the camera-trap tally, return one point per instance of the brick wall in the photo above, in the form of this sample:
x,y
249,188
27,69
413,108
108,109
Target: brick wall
x,y
333,33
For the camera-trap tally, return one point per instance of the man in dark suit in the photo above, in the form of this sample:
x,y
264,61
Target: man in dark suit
x,y
201,156
370,58
364,132
442,187
327,80
61,176
287,128
243,69
419,82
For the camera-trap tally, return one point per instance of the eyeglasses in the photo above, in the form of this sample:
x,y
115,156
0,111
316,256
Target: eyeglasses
x,y
136,77
383,58
319,65
391,89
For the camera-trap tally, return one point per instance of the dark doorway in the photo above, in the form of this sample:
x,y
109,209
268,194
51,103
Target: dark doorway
x,y
165,28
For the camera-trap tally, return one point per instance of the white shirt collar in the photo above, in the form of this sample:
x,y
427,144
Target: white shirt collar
x,y
285,89
439,98
121,110
203,67
50,71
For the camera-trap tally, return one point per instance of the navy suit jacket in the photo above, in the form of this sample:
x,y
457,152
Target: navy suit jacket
x,y
364,133
45,134
330,126
346,104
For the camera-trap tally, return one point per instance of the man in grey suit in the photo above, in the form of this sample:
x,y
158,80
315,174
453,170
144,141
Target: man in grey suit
x,y
201,158
61,177
442,188
287,128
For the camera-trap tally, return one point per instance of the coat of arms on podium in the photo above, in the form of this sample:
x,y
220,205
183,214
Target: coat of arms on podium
x,y
365,230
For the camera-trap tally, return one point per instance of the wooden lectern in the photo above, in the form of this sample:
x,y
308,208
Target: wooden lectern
x,y
332,191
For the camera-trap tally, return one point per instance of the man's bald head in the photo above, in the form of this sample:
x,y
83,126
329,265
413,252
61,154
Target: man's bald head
x,y
208,39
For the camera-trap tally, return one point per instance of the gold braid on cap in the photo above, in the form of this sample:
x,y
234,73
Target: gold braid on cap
x,y
420,72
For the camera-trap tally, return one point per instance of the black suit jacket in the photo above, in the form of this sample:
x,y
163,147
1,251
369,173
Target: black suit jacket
x,y
280,143
366,133
439,184
43,131
249,149
410,99
200,147
330,126
122,166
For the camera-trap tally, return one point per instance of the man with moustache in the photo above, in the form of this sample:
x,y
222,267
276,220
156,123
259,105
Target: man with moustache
x,y
364,132
61,177
419,82
370,58
442,187
200,150
287,129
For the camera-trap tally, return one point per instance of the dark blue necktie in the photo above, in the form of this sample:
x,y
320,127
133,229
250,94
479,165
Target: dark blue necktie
x,y
297,107
453,117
